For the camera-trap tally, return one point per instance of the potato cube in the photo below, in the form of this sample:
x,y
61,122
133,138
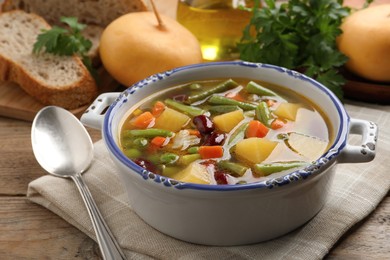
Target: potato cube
x,y
254,150
308,146
287,110
171,120
226,122
194,173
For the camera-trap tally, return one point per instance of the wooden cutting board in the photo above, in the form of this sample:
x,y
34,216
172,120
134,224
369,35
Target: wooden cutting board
x,y
15,103
360,89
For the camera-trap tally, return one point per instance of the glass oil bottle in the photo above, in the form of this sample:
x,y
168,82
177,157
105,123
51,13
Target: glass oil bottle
x,y
218,25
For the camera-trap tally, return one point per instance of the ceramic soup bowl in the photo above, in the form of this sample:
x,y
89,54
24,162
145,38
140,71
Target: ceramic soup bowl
x,y
231,214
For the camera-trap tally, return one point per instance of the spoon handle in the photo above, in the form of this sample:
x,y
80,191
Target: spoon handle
x,y
107,243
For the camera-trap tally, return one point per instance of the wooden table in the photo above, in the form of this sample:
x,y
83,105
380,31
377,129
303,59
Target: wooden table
x,y
29,231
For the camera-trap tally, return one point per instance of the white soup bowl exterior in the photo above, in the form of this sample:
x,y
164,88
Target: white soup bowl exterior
x,y
230,214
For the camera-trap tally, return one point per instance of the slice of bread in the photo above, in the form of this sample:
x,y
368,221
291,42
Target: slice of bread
x,y
91,12
53,80
93,33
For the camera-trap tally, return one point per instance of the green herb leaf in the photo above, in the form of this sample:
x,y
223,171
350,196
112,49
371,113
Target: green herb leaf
x,y
66,41
73,24
48,39
63,41
298,34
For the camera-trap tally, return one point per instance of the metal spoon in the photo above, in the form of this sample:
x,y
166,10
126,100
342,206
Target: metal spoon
x,y
63,148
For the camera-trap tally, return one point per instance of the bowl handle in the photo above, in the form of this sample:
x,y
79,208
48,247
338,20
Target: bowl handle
x,y
364,152
94,115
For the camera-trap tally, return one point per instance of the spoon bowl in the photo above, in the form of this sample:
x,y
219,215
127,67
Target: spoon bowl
x,y
60,143
63,148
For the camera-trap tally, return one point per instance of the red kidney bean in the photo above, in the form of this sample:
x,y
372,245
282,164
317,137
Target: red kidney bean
x,y
220,177
214,138
145,164
203,124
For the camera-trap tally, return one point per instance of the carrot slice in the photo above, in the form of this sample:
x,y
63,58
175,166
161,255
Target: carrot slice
x,y
256,129
235,96
277,123
143,120
158,141
207,152
158,108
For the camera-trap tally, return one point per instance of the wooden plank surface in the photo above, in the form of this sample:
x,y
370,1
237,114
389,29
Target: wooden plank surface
x,y
28,231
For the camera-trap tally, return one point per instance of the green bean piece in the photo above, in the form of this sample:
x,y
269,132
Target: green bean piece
x,y
235,168
238,134
263,114
226,85
188,158
168,158
220,100
140,142
193,149
190,110
254,88
250,113
132,153
127,143
170,171
269,168
283,136
222,109
153,158
151,132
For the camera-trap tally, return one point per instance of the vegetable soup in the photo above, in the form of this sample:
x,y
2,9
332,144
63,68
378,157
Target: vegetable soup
x,y
226,131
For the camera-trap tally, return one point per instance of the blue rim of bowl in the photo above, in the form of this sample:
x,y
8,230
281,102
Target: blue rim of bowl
x,y
299,175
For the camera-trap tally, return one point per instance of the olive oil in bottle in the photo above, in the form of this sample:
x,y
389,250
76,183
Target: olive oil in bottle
x,y
218,25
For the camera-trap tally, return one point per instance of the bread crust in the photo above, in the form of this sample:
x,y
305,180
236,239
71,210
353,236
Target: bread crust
x,y
70,96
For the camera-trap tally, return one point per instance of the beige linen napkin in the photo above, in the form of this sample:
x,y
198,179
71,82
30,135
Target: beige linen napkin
x,y
356,191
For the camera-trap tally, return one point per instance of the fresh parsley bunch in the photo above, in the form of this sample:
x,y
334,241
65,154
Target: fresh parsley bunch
x,y
300,35
66,42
